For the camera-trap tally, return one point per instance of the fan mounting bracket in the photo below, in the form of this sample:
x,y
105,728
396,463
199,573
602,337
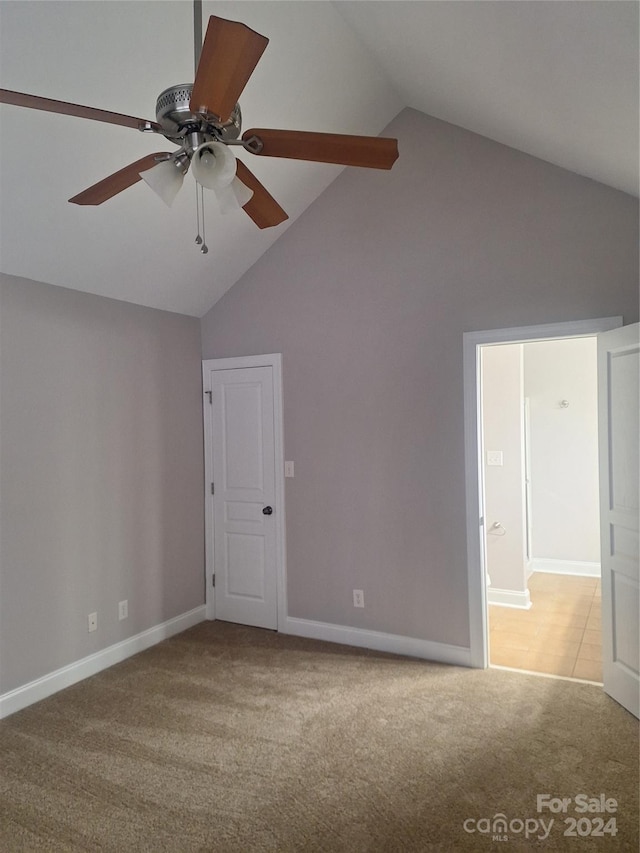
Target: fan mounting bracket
x,y
176,119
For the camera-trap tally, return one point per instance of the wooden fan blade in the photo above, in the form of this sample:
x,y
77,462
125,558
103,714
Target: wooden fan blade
x,y
262,206
119,181
34,102
373,152
230,52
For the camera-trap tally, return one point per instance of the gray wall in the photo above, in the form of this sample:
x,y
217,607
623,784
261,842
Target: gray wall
x,y
101,473
367,296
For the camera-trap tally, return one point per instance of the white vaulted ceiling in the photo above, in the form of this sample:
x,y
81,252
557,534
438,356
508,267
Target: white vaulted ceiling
x,y
557,79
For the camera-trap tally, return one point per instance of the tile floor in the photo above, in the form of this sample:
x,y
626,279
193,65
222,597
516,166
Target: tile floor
x,y
561,634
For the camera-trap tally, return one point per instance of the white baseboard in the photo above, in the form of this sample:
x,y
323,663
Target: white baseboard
x,y
509,598
377,640
566,567
51,683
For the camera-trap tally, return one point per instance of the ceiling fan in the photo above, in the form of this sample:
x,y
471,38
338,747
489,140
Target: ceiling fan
x,y
203,119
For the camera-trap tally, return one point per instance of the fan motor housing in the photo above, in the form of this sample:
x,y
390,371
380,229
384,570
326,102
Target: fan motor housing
x,y
173,113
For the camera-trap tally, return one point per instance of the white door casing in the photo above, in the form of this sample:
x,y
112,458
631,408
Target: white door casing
x,y
619,440
528,530
244,462
472,341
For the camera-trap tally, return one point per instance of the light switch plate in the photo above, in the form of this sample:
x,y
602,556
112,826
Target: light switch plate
x,y
494,457
288,469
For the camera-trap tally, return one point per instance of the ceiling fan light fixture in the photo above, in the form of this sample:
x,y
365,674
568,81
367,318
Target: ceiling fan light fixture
x,y
203,118
213,165
165,179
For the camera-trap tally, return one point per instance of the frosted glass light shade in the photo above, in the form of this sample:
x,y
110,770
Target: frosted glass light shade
x,y
213,165
165,179
241,191
233,197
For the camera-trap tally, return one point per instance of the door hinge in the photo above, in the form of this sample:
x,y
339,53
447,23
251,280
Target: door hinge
x,y
210,393
213,580
213,490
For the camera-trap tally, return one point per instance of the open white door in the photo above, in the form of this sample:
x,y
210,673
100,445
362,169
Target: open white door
x,y
618,407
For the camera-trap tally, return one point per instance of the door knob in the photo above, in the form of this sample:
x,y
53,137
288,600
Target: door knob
x,y
267,510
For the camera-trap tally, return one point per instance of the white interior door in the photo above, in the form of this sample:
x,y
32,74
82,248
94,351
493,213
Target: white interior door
x,y
618,404
241,452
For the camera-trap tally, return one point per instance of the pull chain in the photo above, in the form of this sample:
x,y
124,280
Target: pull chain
x,y
200,240
203,248
198,237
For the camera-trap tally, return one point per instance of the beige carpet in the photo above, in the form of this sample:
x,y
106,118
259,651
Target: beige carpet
x,y
227,738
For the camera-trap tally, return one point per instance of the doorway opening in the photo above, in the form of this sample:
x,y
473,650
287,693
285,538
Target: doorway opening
x,y
481,527
539,434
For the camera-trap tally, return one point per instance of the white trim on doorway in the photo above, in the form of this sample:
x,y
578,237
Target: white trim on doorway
x,y
479,653
273,360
